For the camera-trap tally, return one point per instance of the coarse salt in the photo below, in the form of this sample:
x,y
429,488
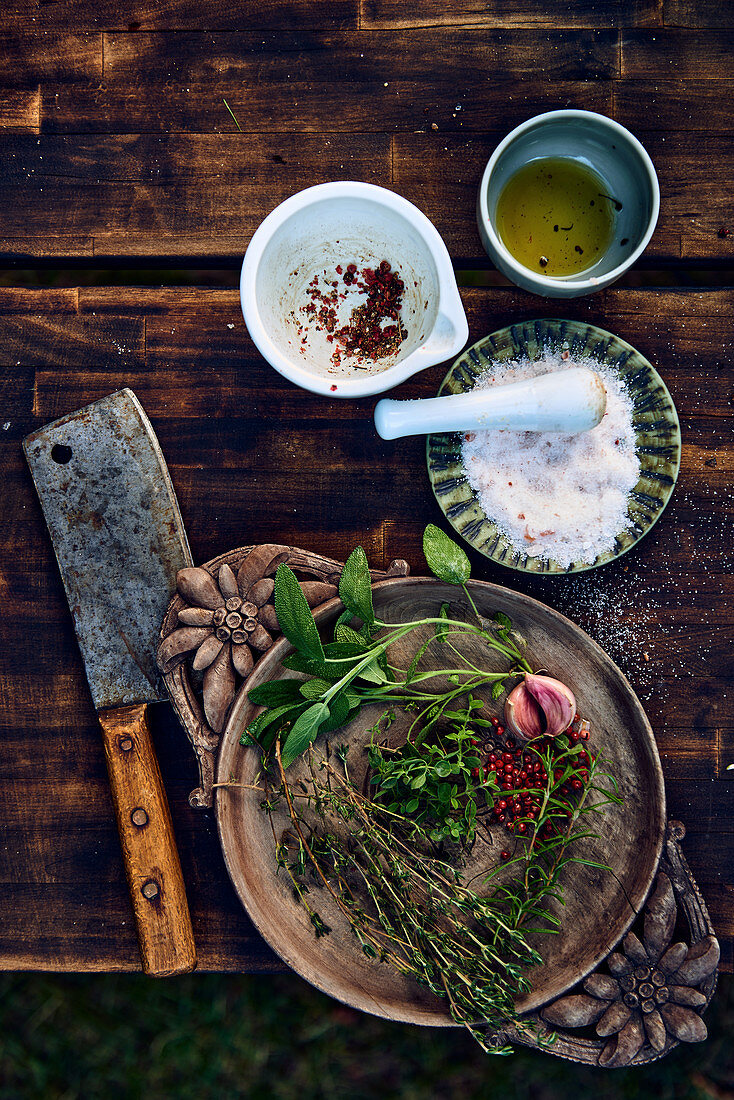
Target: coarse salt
x,y
559,497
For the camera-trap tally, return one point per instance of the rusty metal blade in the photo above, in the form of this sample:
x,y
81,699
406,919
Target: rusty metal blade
x,y
118,536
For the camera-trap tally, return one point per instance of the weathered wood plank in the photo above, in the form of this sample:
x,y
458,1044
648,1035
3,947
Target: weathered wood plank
x,y
47,15
101,935
612,13
152,195
30,58
61,340
677,55
427,56
20,110
695,13
46,247
314,81
206,194
709,238
378,106
378,14
687,105
89,161
49,300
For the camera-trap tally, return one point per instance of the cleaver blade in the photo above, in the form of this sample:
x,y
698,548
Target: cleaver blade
x,y
119,540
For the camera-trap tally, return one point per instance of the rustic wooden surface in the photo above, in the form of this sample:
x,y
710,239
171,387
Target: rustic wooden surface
x,y
116,143
274,463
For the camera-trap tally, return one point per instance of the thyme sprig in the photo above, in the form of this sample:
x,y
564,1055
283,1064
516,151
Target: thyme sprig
x,y
409,906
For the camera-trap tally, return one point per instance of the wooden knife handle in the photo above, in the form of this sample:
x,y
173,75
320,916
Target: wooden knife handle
x,y
148,844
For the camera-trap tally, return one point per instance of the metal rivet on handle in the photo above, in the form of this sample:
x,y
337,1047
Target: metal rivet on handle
x,y
149,889
126,744
139,816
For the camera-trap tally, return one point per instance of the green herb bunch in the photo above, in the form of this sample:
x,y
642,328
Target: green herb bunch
x,y
413,910
434,784
354,668
387,856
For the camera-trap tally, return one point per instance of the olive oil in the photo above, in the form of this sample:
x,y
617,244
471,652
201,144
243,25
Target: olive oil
x,y
554,216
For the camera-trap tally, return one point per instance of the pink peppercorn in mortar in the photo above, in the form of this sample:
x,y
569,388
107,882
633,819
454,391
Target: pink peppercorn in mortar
x,y
357,311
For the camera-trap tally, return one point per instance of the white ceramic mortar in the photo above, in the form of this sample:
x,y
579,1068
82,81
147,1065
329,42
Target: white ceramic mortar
x,y
337,224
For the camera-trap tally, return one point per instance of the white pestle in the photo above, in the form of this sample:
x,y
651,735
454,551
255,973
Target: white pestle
x,y
566,401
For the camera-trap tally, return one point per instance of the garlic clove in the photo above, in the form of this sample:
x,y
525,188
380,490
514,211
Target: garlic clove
x,y
539,706
523,715
555,700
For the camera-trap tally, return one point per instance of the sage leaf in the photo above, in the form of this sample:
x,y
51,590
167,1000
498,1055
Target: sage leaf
x,y
315,688
332,671
341,707
347,634
275,693
297,662
373,674
413,667
294,614
304,732
355,586
444,558
337,660
267,724
345,649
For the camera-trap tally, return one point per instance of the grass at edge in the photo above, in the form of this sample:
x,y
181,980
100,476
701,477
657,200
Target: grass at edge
x,y
255,1036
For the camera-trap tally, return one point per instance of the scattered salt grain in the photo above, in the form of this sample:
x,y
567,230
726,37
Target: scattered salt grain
x,y
553,496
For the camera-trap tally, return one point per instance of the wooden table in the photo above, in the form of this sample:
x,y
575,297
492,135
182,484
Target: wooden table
x,y
117,146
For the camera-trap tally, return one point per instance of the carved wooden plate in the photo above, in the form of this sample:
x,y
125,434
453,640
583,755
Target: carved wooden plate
x,y
600,906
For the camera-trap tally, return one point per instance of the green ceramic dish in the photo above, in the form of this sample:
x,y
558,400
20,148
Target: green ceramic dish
x,y
655,421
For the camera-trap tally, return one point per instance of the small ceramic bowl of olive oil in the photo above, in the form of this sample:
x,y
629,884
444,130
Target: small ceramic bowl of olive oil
x,y
568,201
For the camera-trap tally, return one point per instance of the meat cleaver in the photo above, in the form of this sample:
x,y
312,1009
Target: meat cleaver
x,y
119,540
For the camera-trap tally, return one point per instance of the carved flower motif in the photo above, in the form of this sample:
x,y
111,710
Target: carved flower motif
x,y
229,621
650,995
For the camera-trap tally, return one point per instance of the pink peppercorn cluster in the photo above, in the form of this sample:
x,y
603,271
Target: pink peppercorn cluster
x,y
374,330
521,774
